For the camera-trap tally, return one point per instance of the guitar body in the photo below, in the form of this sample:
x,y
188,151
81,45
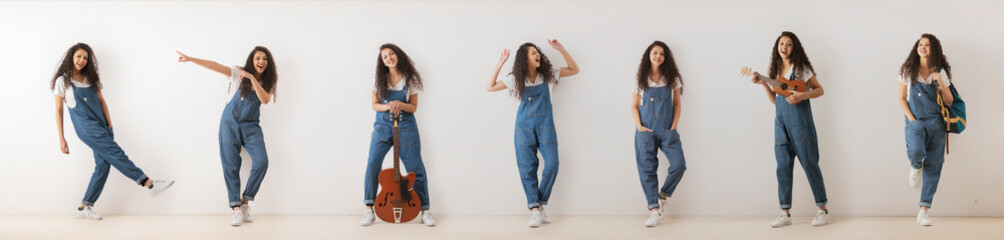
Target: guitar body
x,y
786,87
390,206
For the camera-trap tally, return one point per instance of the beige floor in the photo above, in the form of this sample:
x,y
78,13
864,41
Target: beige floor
x,y
489,227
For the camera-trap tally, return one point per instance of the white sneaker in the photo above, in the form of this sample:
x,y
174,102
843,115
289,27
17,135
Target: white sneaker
x,y
821,218
654,219
783,220
535,219
427,219
914,177
544,218
368,218
238,219
247,213
922,218
159,186
88,213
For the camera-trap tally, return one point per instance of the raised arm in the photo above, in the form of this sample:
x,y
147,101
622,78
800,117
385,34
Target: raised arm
x,y
211,65
493,84
59,125
572,67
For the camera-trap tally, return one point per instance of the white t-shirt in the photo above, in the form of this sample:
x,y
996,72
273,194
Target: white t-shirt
x,y
64,91
400,86
929,80
510,80
805,75
235,83
652,84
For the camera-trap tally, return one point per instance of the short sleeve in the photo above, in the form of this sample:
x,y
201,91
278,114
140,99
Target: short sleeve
x,y
235,74
60,87
808,74
509,80
945,76
413,91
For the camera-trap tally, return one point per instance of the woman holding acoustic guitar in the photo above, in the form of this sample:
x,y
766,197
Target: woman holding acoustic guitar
x,y
655,106
794,129
924,77
531,82
395,99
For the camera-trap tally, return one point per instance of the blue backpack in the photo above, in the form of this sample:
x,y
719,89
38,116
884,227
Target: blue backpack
x,y
955,114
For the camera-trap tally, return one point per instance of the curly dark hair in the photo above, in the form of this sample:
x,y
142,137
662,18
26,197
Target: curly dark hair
x,y
936,59
798,57
669,71
268,77
521,69
404,66
90,71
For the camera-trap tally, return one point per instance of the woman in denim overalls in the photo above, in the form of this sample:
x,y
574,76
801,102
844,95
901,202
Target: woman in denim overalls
x,y
395,92
794,129
655,106
532,76
78,85
250,87
922,79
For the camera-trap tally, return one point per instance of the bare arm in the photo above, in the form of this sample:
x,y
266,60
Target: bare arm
x,y
770,92
396,107
903,103
493,84
572,67
263,95
635,105
211,65
104,108
815,91
59,125
676,108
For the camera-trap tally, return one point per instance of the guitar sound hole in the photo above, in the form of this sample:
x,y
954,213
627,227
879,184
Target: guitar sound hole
x,y
784,86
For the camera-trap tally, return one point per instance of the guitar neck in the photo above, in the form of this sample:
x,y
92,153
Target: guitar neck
x,y
397,172
771,81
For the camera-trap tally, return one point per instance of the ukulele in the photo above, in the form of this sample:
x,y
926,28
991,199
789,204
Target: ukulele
x,y
397,202
780,85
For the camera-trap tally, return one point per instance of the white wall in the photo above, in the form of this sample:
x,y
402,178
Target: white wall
x,y
166,113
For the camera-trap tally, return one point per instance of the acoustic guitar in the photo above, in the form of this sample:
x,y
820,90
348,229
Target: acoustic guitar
x,y
397,202
780,85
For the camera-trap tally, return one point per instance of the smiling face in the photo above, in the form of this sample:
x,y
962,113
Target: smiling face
x,y
657,56
80,59
389,58
260,62
532,57
924,47
784,47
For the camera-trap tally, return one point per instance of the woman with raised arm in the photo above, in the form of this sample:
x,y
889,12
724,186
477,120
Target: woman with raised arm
x,y
251,86
530,81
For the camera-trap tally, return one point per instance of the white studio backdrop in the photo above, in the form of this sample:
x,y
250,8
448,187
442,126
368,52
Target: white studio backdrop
x,y
166,114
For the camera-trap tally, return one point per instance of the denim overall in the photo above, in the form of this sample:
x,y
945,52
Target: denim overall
x,y
239,127
410,150
795,135
657,114
92,128
535,130
925,137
